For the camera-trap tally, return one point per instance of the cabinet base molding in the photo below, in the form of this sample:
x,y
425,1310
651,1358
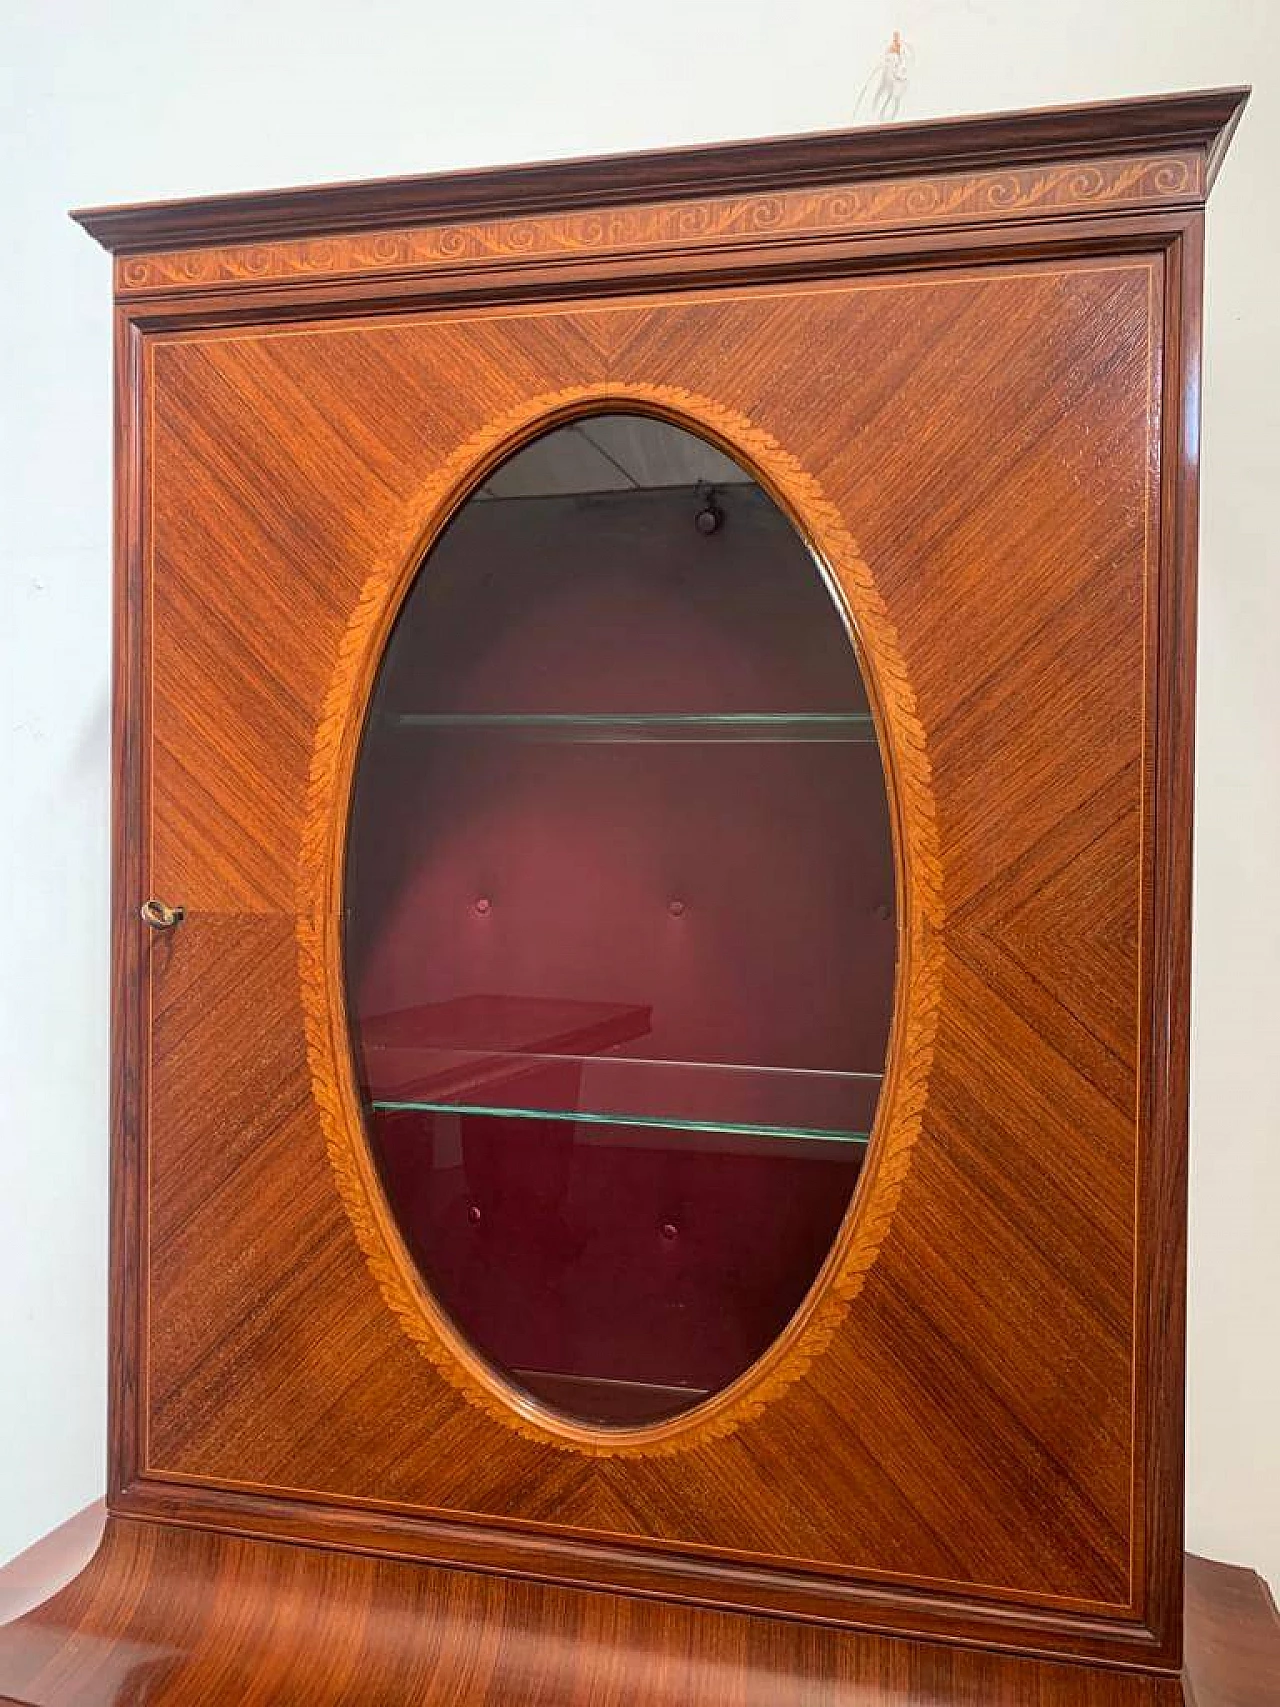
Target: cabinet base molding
x,y
178,1617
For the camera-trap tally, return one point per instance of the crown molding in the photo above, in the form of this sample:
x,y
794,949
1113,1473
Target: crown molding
x,y
1203,120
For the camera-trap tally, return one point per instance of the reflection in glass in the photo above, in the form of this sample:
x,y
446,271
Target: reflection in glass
x,y
620,929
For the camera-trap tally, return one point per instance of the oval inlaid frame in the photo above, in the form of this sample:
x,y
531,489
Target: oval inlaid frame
x,y
918,878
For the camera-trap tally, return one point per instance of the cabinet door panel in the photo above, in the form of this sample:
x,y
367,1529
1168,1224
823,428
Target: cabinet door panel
x,y
975,456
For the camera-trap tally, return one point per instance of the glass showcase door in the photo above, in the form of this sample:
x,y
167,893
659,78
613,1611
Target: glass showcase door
x,y
620,919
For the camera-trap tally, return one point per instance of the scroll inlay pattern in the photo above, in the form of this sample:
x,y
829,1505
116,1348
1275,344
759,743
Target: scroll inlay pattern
x,y
1073,187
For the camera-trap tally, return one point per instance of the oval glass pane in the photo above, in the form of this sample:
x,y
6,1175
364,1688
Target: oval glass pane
x,y
620,920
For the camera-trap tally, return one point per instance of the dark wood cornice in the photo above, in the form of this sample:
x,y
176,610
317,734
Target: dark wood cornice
x,y
1204,119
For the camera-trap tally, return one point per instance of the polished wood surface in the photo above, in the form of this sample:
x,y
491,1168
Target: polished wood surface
x,y
981,1303
183,1618
704,233
963,359
47,1566
1232,1637
1201,121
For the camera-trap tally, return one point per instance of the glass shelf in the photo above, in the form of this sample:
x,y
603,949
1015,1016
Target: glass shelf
x,y
585,1118
789,728
617,1090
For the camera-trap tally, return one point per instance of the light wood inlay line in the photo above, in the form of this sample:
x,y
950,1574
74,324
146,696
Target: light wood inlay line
x,y
1084,186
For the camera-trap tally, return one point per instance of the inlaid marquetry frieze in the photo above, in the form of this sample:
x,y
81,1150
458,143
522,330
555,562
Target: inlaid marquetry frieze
x,y
1065,189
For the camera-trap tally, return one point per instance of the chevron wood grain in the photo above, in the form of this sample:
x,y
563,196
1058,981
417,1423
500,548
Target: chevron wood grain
x,y
1015,606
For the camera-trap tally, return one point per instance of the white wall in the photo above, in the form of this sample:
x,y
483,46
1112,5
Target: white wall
x,y
139,99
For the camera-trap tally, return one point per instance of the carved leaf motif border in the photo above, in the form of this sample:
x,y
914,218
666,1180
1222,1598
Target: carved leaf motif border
x,y
960,198
899,1122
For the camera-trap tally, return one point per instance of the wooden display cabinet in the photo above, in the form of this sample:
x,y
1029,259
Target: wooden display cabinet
x,y
653,796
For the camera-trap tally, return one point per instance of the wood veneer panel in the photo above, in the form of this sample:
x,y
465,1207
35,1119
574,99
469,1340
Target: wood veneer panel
x,y
1233,1636
969,1424
270,503
48,1565
182,1617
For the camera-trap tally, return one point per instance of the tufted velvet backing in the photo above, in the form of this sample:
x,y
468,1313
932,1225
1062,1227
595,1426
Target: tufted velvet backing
x,y
670,902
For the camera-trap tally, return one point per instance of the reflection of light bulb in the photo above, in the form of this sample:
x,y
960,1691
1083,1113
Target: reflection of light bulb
x,y
710,518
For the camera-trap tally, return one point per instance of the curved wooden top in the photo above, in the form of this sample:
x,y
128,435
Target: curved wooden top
x,y
1202,120
182,1617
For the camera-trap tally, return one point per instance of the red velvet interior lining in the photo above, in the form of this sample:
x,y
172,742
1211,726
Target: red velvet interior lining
x,y
671,902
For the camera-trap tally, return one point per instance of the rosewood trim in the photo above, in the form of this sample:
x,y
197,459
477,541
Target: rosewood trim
x,y
1201,120
1118,184
868,1606
152,1613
